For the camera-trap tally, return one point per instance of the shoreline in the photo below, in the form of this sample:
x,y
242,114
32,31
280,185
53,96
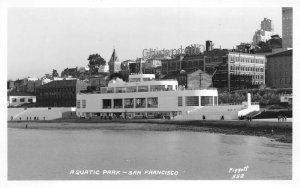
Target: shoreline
x,y
278,131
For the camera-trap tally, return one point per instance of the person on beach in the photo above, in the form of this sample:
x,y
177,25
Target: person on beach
x,y
20,118
30,118
11,118
27,118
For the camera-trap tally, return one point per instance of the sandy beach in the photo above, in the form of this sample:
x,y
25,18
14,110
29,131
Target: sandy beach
x,y
278,131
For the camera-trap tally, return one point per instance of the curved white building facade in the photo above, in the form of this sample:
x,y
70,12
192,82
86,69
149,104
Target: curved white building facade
x,y
145,97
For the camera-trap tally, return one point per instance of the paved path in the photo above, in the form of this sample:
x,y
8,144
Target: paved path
x,y
274,120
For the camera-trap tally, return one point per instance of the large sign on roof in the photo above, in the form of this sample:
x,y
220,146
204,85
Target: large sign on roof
x,y
193,49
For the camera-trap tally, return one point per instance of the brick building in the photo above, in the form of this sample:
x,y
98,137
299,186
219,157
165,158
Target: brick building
x,y
186,63
235,70
229,69
279,70
61,93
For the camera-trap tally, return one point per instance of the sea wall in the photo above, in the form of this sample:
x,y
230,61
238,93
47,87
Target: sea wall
x,y
39,113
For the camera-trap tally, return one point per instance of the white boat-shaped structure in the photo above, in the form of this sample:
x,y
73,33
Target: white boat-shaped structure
x,y
145,97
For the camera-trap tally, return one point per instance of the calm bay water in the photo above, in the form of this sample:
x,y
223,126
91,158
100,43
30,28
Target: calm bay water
x,y
52,154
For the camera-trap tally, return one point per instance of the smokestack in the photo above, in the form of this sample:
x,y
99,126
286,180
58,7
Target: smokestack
x,y
208,45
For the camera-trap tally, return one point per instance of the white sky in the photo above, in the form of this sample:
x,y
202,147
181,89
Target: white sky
x,y
42,39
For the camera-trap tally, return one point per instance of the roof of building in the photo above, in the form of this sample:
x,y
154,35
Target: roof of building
x,y
70,71
59,83
284,53
19,93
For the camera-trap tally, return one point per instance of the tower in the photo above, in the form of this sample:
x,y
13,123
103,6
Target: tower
x,y
114,63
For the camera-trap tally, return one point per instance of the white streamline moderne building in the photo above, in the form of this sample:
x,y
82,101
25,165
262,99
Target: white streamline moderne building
x,y
145,97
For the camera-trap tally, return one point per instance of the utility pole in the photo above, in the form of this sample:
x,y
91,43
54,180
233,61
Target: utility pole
x,y
212,83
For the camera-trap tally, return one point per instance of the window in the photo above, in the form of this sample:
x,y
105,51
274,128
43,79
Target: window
x,y
30,100
180,101
192,100
169,88
118,103
157,88
140,102
131,89
135,80
152,102
22,99
128,103
232,58
142,88
78,103
14,100
106,103
120,89
110,90
206,100
83,103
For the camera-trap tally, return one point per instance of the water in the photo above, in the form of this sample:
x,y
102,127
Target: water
x,y
35,154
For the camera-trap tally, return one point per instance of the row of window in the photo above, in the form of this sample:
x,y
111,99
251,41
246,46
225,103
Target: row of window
x,y
150,102
131,89
21,100
194,101
246,60
243,68
139,79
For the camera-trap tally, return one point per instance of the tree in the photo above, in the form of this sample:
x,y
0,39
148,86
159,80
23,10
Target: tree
x,y
95,60
54,73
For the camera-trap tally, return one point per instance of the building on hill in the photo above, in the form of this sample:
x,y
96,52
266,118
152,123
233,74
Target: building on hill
x,y
69,72
235,70
266,25
186,63
279,70
16,99
10,85
98,81
125,64
61,93
196,79
264,33
275,42
229,69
